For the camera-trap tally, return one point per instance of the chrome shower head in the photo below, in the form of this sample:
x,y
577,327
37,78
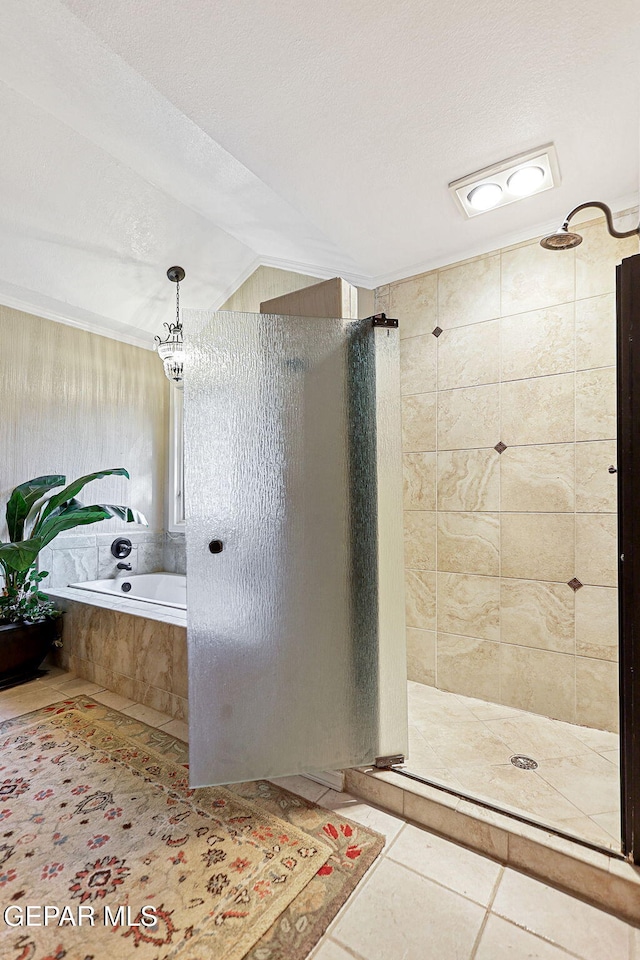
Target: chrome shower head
x,y
562,239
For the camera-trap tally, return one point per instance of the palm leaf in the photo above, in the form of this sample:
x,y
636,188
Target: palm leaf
x,y
72,490
19,556
75,514
24,497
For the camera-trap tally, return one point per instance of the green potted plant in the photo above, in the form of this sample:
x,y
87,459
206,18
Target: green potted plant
x,y
29,621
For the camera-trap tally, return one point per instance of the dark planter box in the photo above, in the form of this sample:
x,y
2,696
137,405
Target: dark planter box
x,y
23,647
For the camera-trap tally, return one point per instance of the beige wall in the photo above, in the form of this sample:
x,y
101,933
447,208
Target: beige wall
x,y
265,283
526,357
73,402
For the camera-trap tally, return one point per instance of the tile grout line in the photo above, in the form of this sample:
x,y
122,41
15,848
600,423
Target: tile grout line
x,y
438,883
354,896
554,943
575,499
487,913
500,656
436,658
349,950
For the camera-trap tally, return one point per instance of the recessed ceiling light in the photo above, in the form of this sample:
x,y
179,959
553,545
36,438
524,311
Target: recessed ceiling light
x,y
485,196
525,181
505,182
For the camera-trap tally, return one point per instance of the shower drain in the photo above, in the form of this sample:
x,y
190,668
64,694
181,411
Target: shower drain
x,y
524,763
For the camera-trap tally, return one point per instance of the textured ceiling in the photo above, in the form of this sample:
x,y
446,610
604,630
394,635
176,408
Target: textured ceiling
x,y
317,136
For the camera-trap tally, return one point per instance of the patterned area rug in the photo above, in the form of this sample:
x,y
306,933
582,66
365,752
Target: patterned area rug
x,y
101,838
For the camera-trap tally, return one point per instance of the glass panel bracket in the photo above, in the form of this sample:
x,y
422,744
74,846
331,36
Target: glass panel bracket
x,y
388,763
382,320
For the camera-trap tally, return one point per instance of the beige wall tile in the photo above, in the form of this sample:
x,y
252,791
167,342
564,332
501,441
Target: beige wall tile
x,y
512,514
538,344
420,539
419,481
375,789
469,606
180,708
421,655
596,332
538,478
420,599
538,680
418,364
596,260
597,693
596,404
537,614
469,480
469,356
596,488
381,299
533,278
419,422
414,302
597,622
469,543
469,666
119,653
180,677
597,549
153,653
469,417
537,546
538,411
469,292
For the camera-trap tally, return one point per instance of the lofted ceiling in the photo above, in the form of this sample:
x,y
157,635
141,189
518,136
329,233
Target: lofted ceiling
x,y
318,137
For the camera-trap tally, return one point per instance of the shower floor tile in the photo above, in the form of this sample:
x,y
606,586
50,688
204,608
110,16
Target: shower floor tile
x,y
467,744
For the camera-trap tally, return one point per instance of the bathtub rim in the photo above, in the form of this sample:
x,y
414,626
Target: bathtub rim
x,y
135,608
90,586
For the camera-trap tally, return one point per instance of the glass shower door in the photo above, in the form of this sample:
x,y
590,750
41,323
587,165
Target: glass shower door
x,y
294,553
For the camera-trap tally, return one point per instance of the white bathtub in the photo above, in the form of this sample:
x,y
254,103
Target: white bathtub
x,y
164,589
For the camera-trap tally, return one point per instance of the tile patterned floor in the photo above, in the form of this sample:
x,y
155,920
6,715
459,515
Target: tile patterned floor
x,y
467,744
424,897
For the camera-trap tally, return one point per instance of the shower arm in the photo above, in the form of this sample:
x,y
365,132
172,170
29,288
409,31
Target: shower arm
x,y
620,235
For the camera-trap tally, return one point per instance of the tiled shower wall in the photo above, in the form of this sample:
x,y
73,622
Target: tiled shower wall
x,y
510,556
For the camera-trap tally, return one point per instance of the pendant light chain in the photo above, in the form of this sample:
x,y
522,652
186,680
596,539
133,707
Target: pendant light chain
x,y
171,348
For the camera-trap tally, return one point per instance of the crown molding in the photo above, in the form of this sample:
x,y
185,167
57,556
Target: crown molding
x,y
40,306
43,306
237,283
621,207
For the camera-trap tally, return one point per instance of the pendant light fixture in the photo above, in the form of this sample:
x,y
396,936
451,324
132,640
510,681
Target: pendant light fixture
x,y
171,349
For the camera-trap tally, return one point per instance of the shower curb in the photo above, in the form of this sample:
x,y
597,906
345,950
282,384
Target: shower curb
x,y
603,880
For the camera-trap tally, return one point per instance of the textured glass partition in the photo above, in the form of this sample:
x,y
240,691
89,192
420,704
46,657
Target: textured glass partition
x,y
296,649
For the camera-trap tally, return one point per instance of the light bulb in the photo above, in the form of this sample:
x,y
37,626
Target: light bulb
x,y
485,196
525,181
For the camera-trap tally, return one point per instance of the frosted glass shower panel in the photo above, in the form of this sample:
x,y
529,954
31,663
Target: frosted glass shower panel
x,y
281,454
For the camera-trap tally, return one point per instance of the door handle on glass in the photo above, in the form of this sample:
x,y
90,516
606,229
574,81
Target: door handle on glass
x,y
216,546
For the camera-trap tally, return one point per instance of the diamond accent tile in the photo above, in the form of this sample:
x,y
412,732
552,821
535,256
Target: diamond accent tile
x,y
436,331
575,584
500,447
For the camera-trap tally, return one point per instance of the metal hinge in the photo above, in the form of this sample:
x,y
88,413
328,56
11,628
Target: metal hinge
x,y
382,320
387,763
